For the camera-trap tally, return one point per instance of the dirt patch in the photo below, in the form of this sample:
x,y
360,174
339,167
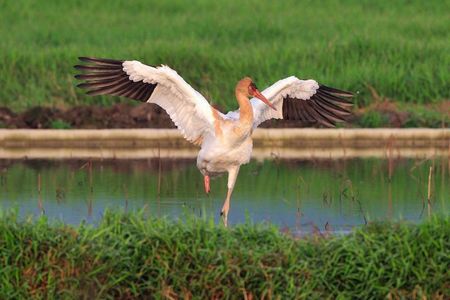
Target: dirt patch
x,y
88,117
382,113
390,111
120,115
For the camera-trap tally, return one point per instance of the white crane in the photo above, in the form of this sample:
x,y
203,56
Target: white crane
x,y
225,140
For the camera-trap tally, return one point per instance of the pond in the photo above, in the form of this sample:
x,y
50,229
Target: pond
x,y
299,195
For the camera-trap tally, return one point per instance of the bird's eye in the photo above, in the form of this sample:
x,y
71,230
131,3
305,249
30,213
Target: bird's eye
x,y
252,88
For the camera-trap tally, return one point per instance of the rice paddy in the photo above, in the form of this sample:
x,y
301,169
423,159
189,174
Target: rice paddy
x,y
399,50
298,195
145,229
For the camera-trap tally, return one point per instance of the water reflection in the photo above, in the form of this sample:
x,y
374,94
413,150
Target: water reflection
x,y
299,195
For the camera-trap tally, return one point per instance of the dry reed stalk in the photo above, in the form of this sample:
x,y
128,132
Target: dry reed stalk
x,y
125,191
390,201
158,198
40,204
159,171
429,191
91,188
390,159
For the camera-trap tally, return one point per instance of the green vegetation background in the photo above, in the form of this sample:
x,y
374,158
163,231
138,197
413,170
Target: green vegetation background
x,y
400,48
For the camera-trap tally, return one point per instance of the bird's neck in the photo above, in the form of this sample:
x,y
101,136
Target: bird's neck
x,y
245,109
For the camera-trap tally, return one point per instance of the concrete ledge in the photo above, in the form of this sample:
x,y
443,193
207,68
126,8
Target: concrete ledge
x,y
259,153
360,133
272,137
91,138
268,143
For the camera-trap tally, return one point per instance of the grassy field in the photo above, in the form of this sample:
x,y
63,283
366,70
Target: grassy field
x,y
400,48
128,256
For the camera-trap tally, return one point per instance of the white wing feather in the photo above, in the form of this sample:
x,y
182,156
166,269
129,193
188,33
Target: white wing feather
x,y
292,86
187,108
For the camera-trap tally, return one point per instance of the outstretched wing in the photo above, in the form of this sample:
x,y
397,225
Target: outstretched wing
x,y
187,108
302,100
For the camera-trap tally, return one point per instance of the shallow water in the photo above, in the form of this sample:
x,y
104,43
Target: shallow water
x,y
299,195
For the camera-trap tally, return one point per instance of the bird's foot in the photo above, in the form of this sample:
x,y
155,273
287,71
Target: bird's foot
x,y
224,213
207,186
224,216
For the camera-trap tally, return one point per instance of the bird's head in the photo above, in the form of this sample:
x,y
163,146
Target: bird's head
x,y
248,87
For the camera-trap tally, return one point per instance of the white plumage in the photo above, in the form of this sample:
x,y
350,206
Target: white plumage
x,y
187,108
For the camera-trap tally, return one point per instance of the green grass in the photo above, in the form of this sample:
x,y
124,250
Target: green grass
x,y
373,119
59,124
129,256
400,48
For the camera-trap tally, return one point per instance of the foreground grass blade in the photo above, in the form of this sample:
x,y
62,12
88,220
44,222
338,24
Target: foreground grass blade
x,y
129,256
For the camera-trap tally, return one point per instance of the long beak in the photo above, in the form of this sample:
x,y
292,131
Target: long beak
x,y
263,99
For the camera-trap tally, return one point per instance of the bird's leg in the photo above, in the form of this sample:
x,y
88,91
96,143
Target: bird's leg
x,y
226,208
232,175
207,186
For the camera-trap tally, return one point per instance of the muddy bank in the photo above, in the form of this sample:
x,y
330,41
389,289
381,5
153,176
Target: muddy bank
x,y
120,115
145,115
88,117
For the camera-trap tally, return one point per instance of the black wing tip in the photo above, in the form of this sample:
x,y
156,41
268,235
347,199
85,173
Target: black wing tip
x,y
85,85
101,76
327,107
335,91
79,76
81,67
334,97
90,59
